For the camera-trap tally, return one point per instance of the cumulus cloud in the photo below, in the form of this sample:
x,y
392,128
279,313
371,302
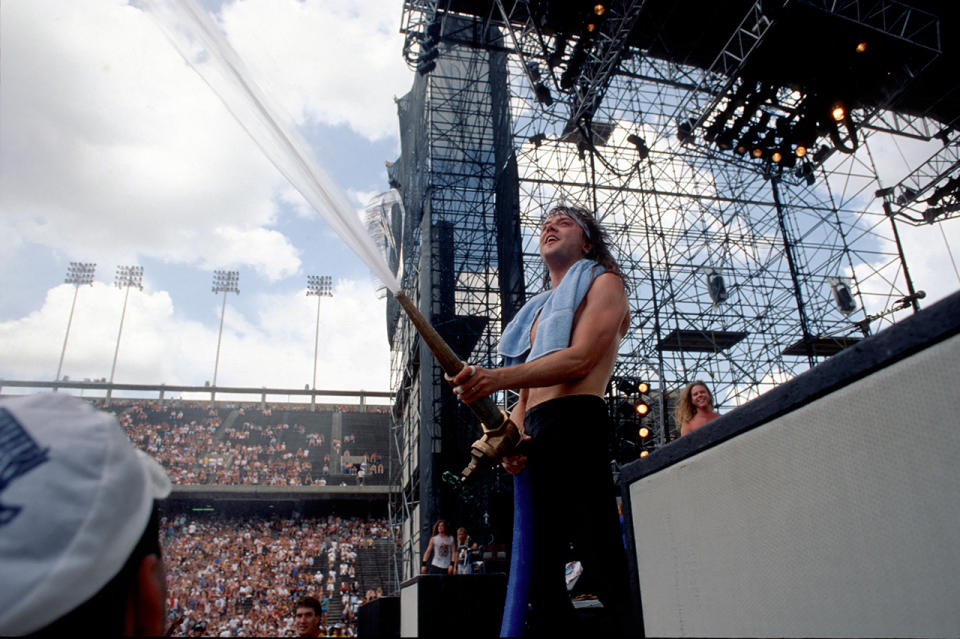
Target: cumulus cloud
x,y
273,346
348,62
103,156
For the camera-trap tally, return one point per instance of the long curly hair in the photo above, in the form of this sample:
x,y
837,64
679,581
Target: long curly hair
x,y
599,252
685,409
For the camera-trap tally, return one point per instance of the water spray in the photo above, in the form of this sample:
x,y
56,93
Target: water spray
x,y
198,39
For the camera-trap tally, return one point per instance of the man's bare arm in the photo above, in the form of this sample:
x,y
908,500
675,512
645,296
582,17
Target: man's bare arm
x,y
597,328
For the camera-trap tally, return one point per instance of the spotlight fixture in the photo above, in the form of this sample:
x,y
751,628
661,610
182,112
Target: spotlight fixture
x,y
716,287
591,27
861,46
776,156
644,453
560,44
643,432
543,94
756,152
822,154
427,61
537,139
642,150
642,408
838,111
725,140
685,131
842,295
800,151
599,9
805,171
643,388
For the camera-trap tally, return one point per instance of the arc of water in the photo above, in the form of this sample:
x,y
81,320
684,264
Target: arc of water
x,y
203,45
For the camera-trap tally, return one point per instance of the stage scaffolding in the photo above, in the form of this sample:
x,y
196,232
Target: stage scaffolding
x,y
737,268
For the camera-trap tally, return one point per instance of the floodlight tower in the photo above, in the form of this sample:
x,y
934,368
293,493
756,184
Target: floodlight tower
x,y
126,277
223,282
77,273
321,286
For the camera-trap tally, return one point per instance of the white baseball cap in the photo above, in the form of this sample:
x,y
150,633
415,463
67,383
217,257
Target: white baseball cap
x,y
75,498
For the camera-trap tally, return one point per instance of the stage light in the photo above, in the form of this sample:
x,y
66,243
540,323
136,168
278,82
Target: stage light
x,y
861,46
599,9
838,111
627,386
800,151
822,154
543,94
591,27
685,131
643,388
716,287
644,453
644,432
429,51
756,152
538,139
842,295
642,150
776,156
625,409
740,149
725,140
642,408
560,44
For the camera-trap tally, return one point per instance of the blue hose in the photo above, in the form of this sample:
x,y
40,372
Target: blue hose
x,y
521,559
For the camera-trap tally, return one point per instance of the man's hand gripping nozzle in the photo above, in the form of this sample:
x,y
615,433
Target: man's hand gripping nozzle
x,y
500,435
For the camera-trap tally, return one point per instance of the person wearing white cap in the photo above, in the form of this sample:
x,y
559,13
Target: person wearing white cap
x,y
79,536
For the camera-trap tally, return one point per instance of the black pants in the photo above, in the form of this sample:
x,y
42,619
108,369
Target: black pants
x,y
573,502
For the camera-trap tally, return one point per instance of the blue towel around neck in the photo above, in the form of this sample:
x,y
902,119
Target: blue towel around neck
x,y
556,309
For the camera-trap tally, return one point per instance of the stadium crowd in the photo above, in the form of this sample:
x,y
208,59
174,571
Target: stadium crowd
x,y
195,447
241,576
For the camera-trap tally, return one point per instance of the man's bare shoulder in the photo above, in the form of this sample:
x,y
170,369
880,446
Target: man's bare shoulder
x,y
608,284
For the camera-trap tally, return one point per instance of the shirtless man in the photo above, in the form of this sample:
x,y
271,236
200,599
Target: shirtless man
x,y
563,419
695,408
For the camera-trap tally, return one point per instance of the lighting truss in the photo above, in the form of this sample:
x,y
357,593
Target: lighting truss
x,y
675,213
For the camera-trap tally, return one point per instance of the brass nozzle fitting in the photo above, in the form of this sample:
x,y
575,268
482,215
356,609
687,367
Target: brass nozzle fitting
x,y
496,443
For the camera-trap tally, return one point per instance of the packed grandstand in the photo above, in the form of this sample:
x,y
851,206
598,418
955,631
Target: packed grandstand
x,y
237,561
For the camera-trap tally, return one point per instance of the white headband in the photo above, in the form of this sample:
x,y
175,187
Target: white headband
x,y
573,215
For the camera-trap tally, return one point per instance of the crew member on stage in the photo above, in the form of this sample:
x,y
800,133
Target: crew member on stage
x,y
695,408
559,352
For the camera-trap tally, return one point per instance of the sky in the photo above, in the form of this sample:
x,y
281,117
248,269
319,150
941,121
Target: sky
x,y
114,151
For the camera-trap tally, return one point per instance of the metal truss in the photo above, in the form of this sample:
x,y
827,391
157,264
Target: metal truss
x,y
931,192
676,215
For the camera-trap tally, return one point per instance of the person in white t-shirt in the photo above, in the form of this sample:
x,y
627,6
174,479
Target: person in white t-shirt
x,y
441,546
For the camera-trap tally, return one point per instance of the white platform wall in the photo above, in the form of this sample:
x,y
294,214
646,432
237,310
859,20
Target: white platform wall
x,y
840,518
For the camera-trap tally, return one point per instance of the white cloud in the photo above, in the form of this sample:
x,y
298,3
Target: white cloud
x,y
117,143
160,346
348,64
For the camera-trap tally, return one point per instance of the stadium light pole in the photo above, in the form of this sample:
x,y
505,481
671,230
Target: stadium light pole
x,y
77,273
223,282
125,277
321,286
